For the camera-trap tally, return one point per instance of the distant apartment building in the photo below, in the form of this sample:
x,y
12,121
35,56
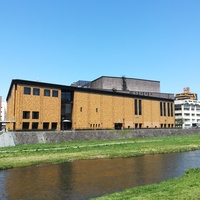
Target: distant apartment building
x,y
118,103
186,94
3,114
80,83
187,110
3,110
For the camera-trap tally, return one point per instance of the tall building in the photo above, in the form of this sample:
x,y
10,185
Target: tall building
x,y
46,106
186,94
187,109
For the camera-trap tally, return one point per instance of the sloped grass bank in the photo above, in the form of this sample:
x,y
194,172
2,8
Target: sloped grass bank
x,y
24,155
183,188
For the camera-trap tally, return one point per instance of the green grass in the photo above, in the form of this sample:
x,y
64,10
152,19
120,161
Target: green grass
x,y
25,155
183,188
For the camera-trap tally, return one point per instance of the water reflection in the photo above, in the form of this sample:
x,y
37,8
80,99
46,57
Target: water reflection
x,y
90,178
3,185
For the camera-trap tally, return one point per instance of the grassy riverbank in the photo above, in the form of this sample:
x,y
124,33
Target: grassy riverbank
x,y
25,155
185,187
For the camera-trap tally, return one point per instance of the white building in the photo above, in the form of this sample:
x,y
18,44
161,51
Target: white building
x,y
187,113
3,116
3,110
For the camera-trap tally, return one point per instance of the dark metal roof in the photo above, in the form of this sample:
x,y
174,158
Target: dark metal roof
x,y
141,95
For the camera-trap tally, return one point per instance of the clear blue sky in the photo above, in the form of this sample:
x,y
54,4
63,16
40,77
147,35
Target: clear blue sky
x,y
63,41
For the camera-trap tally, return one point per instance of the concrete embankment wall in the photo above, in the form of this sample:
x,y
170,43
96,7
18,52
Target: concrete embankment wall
x,y
17,138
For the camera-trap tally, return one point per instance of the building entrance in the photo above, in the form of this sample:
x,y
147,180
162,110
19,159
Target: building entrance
x,y
66,125
118,126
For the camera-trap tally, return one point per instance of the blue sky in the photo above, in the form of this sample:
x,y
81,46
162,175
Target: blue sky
x,y
63,41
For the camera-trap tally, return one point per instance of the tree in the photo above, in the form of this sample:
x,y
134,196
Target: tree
x,y
179,122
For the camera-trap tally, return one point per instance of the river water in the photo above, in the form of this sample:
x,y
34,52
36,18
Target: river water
x,y
91,178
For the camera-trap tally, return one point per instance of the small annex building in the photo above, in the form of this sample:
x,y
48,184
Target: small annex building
x,y
118,104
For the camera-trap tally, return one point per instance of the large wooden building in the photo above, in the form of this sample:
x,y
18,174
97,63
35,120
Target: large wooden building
x,y
43,106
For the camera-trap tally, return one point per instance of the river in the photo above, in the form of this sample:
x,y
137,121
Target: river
x,y
83,179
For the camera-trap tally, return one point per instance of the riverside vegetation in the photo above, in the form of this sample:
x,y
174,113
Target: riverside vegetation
x,y
183,188
35,154
186,187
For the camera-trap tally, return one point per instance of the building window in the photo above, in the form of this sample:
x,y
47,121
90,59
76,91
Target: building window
x,y
27,90
46,92
161,109
81,109
96,109
35,115
164,108
172,109
26,114
168,109
25,125
138,106
36,91
177,107
197,107
35,125
55,93
46,125
54,126
66,97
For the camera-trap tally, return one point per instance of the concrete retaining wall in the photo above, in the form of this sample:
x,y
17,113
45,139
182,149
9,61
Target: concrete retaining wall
x,y
7,139
17,138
